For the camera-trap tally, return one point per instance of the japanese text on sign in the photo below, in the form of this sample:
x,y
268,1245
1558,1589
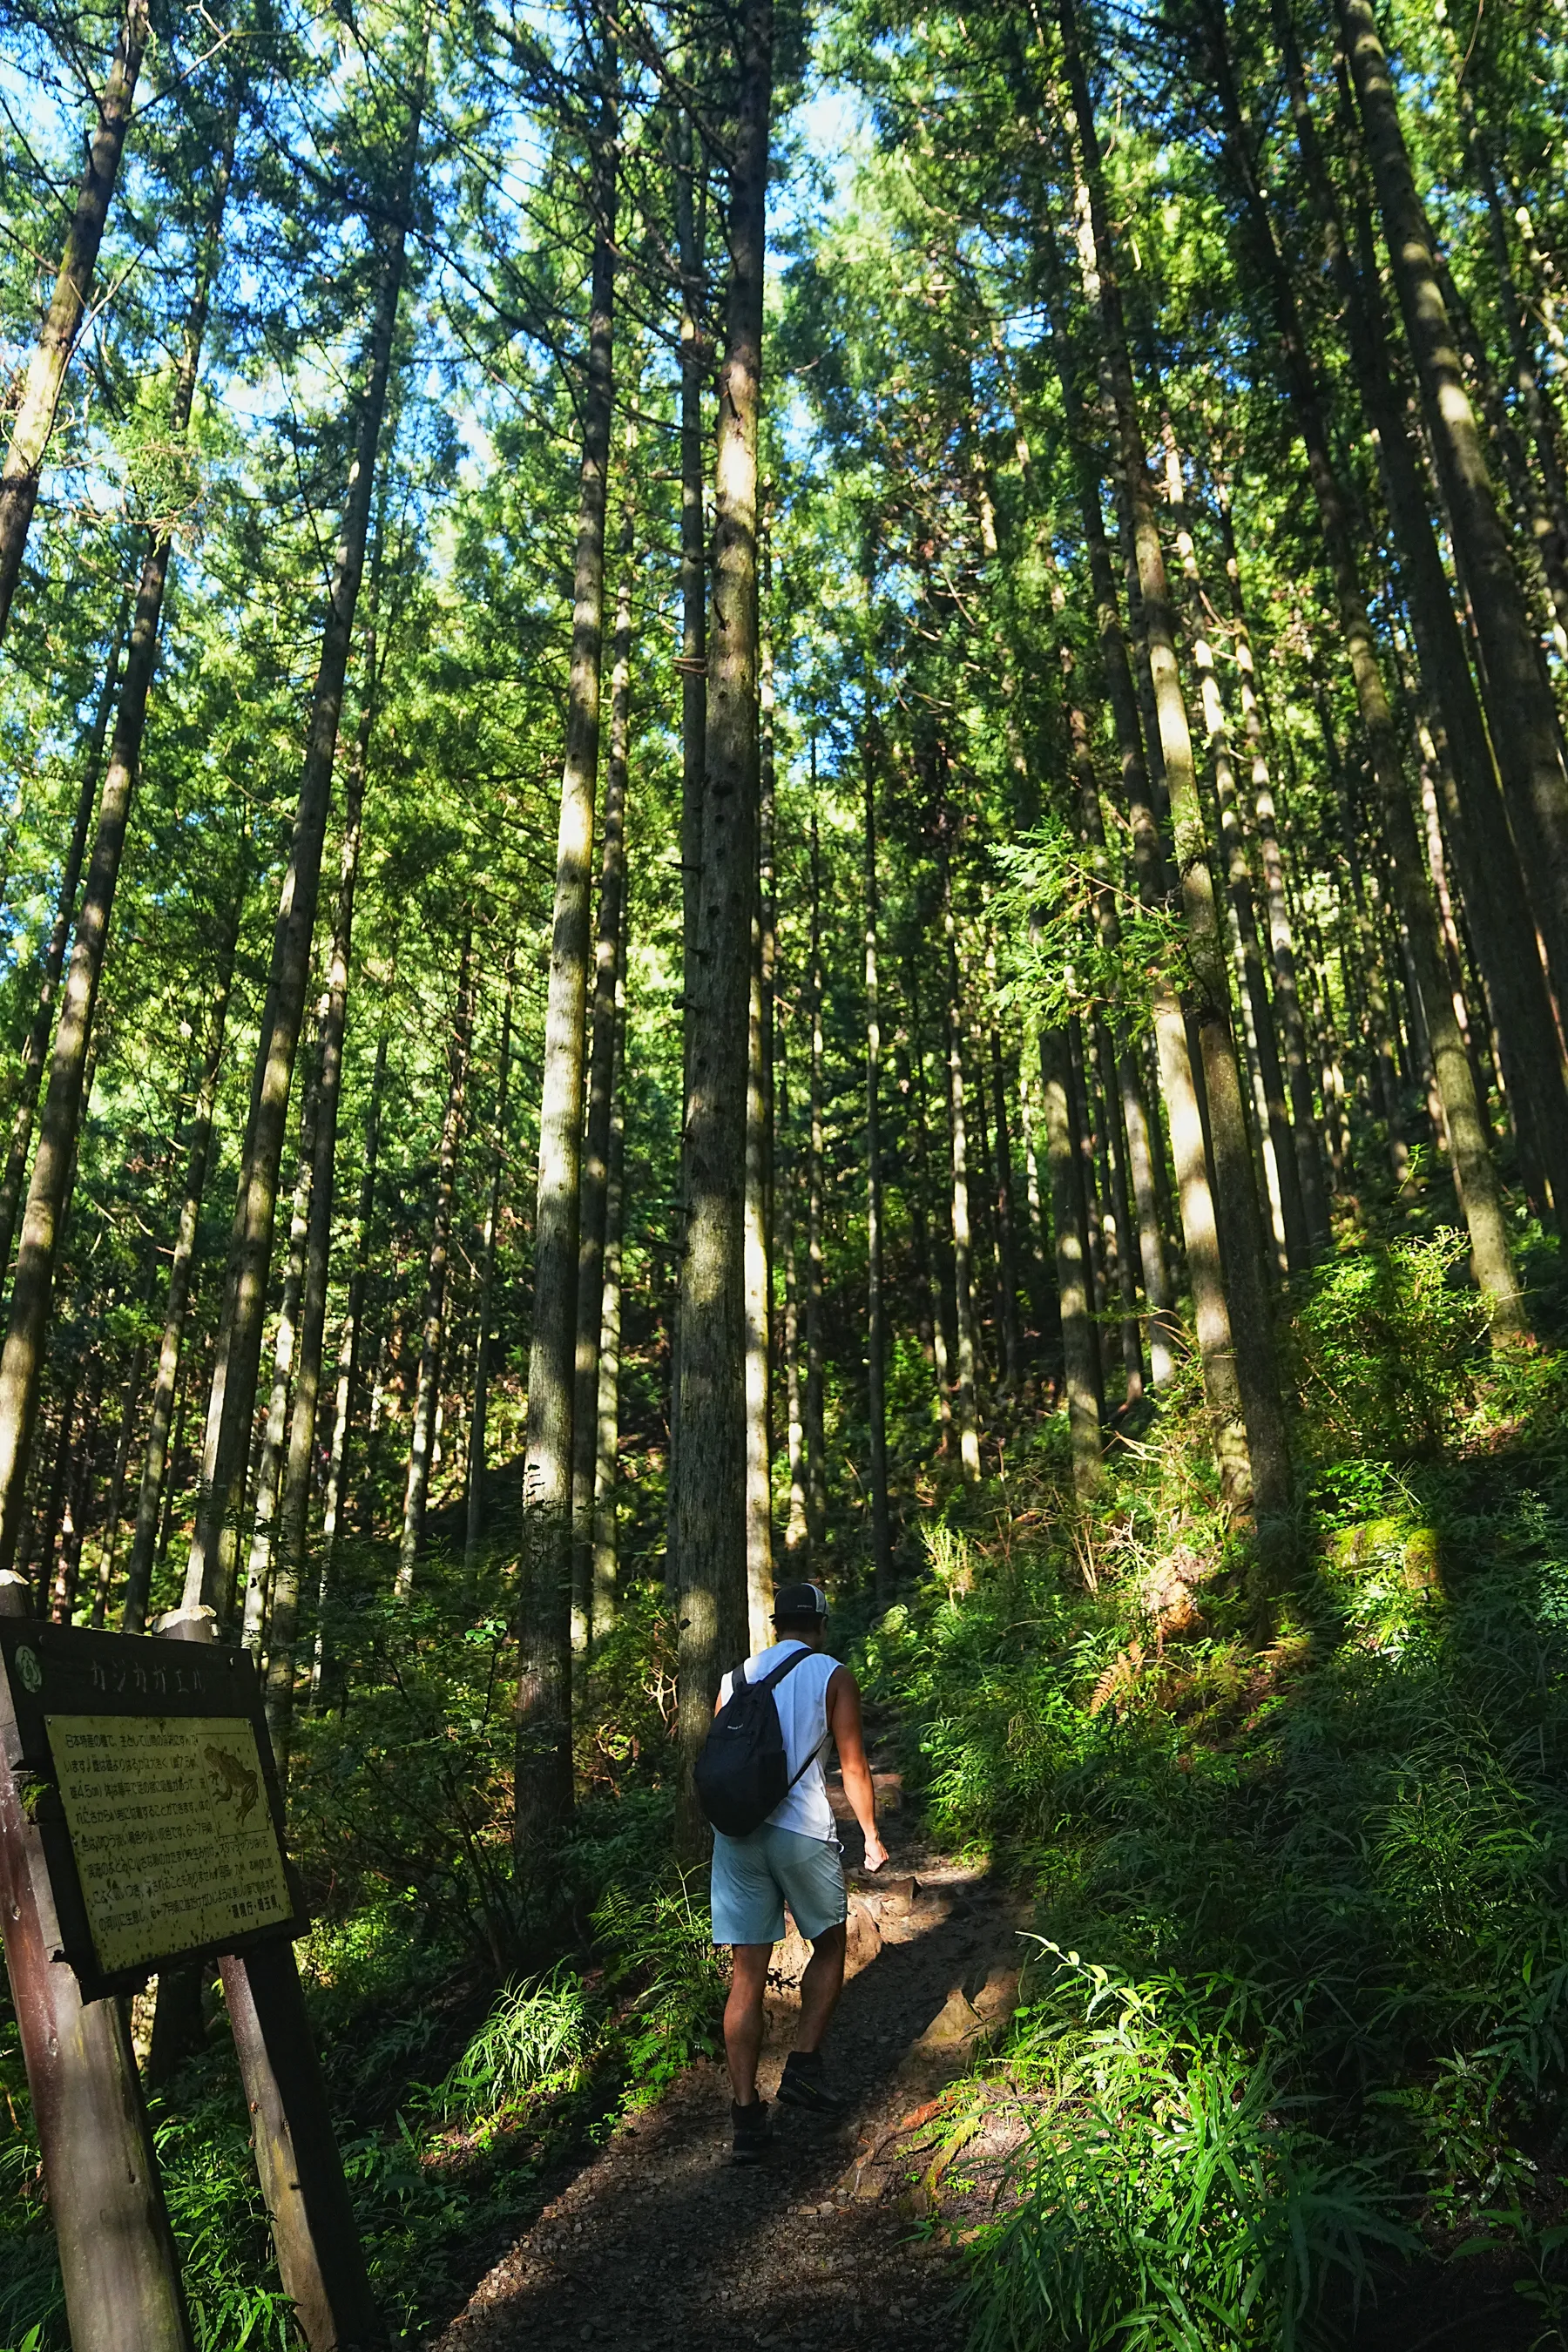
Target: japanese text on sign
x,y
173,1834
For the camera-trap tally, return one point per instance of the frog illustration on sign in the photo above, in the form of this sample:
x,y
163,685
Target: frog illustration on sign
x,y
234,1780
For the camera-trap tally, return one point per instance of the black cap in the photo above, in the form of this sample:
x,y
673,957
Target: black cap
x,y
800,1601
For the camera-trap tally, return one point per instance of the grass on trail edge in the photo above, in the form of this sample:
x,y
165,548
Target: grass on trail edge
x,y
1296,2006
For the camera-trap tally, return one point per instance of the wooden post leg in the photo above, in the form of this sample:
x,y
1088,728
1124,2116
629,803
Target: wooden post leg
x,y
118,2261
313,2226
314,2233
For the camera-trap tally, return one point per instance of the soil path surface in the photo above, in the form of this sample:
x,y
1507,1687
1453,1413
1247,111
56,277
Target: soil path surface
x,y
662,2245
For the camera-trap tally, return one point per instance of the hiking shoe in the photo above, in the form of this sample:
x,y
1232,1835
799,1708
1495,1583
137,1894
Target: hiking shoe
x,y
751,2130
800,2084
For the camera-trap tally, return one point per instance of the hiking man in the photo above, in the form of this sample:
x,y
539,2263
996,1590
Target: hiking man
x,y
794,1858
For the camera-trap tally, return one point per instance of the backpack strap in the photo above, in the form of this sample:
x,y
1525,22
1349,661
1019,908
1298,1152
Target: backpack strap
x,y
786,1667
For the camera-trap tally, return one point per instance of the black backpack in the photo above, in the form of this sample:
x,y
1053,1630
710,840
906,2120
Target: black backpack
x,y
743,1771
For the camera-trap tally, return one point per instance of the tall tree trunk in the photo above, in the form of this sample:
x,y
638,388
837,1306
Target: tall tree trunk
x,y
1011,1334
36,1051
423,1433
690,184
761,1154
1080,1344
73,1529
209,1576
924,1201
54,1495
348,1365
156,1464
1281,943
1491,877
962,1284
1235,1196
1121,1209
815,1418
54,1166
710,1461
1238,876
1140,1143
544,1769
593,1180
129,1406
1473,1171
1178,1085
875,1330
284,1618
605,1548
267,1480
797,1529
35,419
759,1450
1523,720
474,1523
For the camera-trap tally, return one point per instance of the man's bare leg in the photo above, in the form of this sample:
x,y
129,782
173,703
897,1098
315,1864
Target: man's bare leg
x,y
820,1990
743,2014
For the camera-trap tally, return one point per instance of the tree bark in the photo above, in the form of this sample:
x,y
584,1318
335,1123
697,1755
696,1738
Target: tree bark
x,y
797,1527
759,1451
474,1524
594,1181
963,1283
209,1576
40,400
709,1459
1080,1344
815,1420
267,1478
875,1331
605,1547
422,1436
692,247
543,1767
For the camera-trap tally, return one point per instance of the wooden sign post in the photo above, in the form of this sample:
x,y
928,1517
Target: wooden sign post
x,y
141,1826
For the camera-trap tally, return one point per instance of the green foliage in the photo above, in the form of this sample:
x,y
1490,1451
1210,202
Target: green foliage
x,y
535,2039
670,1979
1389,1349
1165,2200
1308,2010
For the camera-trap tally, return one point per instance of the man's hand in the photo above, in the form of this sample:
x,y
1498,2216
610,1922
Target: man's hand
x,y
844,1722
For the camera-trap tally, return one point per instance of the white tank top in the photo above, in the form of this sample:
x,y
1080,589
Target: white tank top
x,y
802,1702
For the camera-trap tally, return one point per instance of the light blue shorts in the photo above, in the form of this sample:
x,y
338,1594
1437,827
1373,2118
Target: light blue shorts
x,y
755,1877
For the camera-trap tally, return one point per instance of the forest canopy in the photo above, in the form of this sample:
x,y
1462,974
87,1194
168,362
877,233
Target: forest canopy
x,y
784,793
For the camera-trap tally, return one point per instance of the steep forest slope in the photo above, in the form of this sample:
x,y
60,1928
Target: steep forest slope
x,y
785,794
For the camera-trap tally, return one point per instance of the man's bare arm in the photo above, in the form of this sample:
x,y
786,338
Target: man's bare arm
x,y
849,1738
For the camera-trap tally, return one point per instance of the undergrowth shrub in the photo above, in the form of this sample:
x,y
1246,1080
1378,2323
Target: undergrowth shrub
x,y
1387,1349
1166,2198
1318,1879
537,2037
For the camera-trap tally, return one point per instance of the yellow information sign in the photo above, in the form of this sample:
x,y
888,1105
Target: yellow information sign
x,y
173,1834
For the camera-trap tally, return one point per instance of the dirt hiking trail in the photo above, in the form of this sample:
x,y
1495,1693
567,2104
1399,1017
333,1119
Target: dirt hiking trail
x,y
660,2242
